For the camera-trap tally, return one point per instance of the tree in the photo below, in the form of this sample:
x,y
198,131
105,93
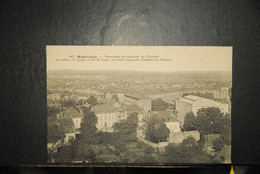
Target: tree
x,y
157,130
190,122
186,152
92,101
218,144
84,152
88,126
53,110
120,146
209,120
148,149
54,133
159,105
225,136
51,119
65,154
127,128
69,103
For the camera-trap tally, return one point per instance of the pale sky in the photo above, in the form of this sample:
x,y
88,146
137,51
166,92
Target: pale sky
x,y
183,58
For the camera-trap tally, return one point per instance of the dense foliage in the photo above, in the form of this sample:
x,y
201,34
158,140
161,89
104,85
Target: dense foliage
x,y
210,121
186,152
126,129
157,130
88,127
92,101
159,105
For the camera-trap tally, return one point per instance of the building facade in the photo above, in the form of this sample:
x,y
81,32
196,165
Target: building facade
x,y
106,117
178,137
143,102
173,126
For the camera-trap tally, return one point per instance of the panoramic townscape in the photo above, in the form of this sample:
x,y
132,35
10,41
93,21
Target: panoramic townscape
x,y
139,117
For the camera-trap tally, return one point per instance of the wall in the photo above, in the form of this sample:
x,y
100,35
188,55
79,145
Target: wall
x,y
145,104
182,109
173,126
77,122
178,137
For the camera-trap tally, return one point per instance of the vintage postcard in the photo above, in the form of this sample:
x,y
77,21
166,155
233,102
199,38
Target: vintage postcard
x,y
143,105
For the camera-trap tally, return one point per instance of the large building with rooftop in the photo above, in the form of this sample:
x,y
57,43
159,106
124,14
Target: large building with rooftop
x,y
106,116
192,103
143,102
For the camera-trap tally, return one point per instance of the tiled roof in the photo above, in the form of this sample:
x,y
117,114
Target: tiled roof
x,y
67,125
200,101
136,96
104,108
72,112
131,108
54,134
186,100
208,102
165,115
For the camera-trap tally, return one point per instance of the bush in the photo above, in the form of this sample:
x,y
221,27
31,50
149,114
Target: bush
x,y
148,149
140,145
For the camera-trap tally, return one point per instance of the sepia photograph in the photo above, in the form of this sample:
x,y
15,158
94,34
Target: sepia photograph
x,y
139,105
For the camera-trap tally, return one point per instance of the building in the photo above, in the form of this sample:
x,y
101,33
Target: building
x,y
172,123
128,109
178,137
106,117
144,103
192,103
222,93
67,126
110,113
166,96
75,115
54,138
